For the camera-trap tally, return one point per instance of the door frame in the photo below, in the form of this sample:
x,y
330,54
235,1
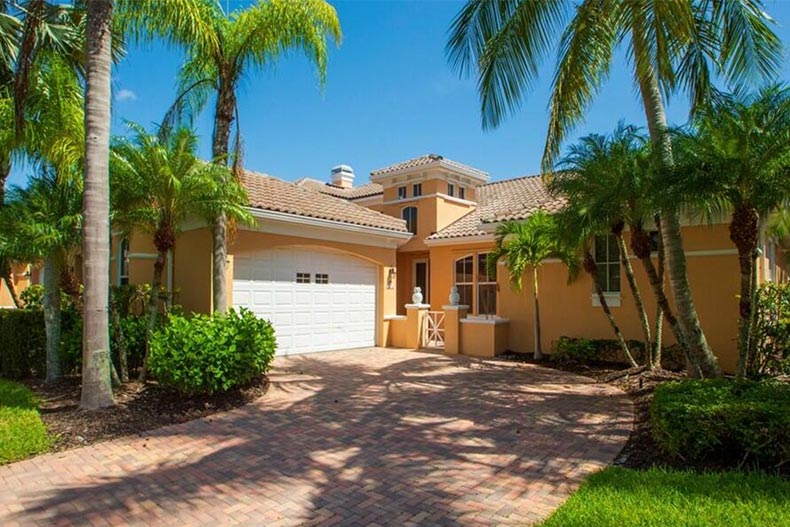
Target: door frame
x,y
427,262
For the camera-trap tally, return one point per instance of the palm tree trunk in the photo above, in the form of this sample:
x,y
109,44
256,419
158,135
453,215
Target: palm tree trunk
x,y
223,120
538,350
96,384
591,269
701,356
120,338
640,243
658,344
52,319
153,308
744,232
640,305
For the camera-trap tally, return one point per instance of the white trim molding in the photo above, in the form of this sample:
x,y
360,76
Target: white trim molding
x,y
442,195
460,240
612,299
479,320
287,224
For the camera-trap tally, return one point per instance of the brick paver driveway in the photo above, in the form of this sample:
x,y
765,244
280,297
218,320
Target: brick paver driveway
x,y
372,437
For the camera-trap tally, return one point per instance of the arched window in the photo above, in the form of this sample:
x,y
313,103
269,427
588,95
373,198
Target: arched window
x,y
410,215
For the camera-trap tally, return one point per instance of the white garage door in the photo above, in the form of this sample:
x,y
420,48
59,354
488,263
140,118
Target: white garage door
x,y
317,300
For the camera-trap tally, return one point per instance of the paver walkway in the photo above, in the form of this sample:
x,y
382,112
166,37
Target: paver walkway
x,y
372,437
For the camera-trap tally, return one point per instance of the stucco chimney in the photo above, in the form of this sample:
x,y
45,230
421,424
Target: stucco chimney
x,y
343,176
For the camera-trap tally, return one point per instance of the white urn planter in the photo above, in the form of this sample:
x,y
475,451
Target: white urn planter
x,y
416,296
454,296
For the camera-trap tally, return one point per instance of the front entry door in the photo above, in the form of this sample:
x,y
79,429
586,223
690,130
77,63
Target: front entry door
x,y
421,280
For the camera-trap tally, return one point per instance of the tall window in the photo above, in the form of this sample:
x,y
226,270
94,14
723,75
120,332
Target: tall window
x,y
416,190
401,192
410,215
462,192
486,286
464,279
607,256
123,262
450,189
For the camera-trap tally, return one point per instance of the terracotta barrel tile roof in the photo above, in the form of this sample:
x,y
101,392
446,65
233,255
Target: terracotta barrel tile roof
x,y
427,159
512,199
362,191
269,193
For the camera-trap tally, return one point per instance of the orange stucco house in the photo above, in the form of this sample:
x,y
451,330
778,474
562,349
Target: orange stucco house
x,y
334,265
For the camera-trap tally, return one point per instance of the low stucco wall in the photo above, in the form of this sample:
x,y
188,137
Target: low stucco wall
x,y
483,338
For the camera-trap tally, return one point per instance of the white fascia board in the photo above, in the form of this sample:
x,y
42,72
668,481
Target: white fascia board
x,y
460,240
475,177
445,197
306,227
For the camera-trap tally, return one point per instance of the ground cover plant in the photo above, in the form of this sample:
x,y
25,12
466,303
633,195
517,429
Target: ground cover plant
x,y
669,498
22,432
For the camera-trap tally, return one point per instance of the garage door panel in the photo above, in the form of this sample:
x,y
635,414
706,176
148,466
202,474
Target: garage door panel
x,y
309,316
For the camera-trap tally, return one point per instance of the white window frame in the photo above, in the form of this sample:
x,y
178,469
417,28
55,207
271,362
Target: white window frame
x,y
303,278
123,262
416,190
461,192
451,190
402,192
613,298
321,278
456,283
486,283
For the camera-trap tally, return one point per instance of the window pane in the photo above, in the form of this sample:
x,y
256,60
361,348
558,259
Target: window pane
x,y
462,192
450,189
614,278
465,292
614,249
600,248
486,299
463,270
602,276
484,274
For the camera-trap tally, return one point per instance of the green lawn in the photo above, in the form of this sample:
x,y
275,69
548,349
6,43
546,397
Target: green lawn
x,y
657,498
22,433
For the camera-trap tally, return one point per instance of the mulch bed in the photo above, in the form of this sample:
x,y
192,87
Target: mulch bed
x,y
140,407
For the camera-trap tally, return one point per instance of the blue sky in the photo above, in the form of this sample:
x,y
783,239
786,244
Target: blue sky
x,y
389,95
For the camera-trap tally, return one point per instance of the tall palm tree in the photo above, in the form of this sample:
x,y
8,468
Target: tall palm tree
x,y
44,222
526,244
737,157
157,183
610,179
672,47
176,21
243,40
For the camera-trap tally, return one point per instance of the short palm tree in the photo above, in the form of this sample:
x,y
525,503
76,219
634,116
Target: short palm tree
x,y
242,41
577,228
43,222
736,157
672,47
157,183
524,245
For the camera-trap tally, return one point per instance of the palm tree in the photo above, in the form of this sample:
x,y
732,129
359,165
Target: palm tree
x,y
44,222
241,41
176,21
157,183
672,47
737,157
577,228
527,244
610,179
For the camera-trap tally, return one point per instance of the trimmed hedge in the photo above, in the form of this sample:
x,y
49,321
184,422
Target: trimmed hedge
x,y
209,354
740,421
571,350
22,344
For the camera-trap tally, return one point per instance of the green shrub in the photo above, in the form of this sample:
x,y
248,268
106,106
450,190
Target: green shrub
x,y
771,355
574,351
22,433
741,421
22,343
204,354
